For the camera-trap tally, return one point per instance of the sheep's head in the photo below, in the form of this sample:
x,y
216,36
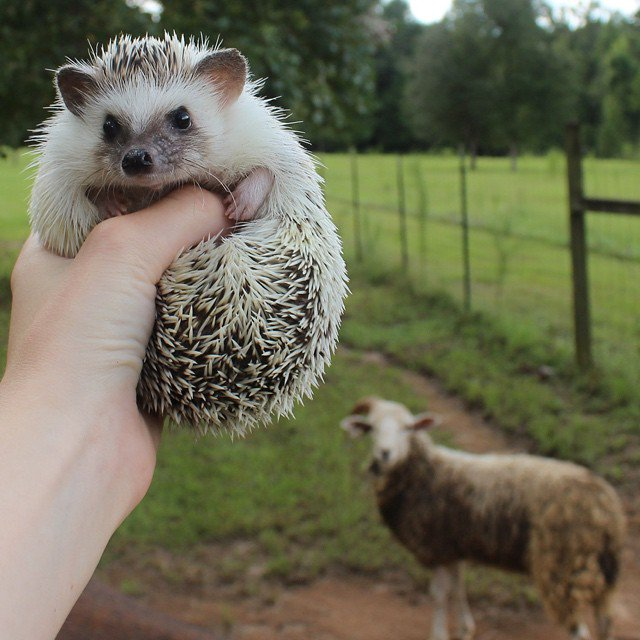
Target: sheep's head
x,y
391,426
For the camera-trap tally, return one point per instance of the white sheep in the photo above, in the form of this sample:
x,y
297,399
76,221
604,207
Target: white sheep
x,y
554,520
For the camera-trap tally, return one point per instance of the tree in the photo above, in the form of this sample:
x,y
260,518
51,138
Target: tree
x,y
525,74
620,125
391,130
316,56
488,76
37,36
450,96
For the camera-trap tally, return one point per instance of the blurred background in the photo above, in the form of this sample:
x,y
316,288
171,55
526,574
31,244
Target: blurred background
x,y
441,131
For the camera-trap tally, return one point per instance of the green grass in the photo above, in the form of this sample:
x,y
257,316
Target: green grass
x,y
15,186
520,264
586,418
298,489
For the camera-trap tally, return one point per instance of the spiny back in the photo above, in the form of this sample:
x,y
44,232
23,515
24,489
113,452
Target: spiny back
x,y
156,60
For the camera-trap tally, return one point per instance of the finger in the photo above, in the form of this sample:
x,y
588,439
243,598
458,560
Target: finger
x,y
36,267
154,424
35,278
149,240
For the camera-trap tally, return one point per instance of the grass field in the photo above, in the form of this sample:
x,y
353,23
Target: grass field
x,y
519,261
299,489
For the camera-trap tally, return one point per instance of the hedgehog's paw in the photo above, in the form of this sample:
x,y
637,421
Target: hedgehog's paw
x,y
236,210
249,195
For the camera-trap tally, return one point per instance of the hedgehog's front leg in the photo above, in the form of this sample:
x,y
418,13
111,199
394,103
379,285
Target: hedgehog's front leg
x,y
245,200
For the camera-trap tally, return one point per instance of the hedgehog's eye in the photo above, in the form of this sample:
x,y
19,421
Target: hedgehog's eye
x,y
111,127
180,118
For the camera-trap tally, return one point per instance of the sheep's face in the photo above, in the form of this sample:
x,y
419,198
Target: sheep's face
x,y
390,425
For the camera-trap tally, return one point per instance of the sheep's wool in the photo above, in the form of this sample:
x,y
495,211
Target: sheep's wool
x,y
245,324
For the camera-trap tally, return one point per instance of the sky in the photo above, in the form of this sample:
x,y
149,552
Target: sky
x,y
433,10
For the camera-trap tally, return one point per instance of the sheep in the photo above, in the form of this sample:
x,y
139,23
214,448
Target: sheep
x,y
554,520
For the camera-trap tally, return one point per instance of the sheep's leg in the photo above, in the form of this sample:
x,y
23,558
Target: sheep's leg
x,y
603,621
440,589
580,631
465,626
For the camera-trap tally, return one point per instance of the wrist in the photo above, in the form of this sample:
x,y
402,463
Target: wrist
x,y
73,440
63,496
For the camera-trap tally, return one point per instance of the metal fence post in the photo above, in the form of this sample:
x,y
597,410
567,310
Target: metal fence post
x,y
464,214
355,205
423,209
578,244
402,215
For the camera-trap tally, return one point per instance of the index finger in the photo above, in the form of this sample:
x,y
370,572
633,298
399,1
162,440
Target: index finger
x,y
149,240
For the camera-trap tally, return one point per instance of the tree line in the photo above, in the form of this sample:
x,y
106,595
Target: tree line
x,y
494,76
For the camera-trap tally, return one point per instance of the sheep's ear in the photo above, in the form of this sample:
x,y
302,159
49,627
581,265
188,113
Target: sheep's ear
x,y
75,86
364,405
226,69
425,421
355,426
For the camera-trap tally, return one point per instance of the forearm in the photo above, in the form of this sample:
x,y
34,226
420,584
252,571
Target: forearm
x,y
76,454
66,488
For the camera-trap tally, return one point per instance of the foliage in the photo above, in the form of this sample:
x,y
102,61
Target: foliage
x,y
393,57
621,99
37,36
449,96
487,76
316,56
498,76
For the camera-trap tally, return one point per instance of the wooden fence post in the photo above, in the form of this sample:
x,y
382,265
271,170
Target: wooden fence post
x,y
578,243
355,205
464,214
402,215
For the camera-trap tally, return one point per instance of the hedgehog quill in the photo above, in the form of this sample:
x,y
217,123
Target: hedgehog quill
x,y
246,323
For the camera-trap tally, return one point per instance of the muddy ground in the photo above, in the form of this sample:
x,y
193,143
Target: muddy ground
x,y
344,606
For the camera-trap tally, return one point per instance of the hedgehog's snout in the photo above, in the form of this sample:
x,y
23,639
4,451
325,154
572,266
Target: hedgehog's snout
x,y
136,162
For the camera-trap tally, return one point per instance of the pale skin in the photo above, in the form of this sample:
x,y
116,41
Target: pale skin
x,y
76,454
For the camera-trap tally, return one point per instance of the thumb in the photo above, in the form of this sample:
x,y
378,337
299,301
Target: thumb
x,y
149,240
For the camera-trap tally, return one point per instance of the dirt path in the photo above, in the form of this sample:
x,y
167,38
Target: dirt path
x,y
348,607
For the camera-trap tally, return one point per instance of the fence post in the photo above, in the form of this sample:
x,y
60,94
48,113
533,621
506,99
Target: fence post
x,y
355,204
578,244
423,209
402,215
464,214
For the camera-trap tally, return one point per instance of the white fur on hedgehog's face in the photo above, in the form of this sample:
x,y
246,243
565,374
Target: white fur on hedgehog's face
x,y
152,116
148,139
151,137
391,426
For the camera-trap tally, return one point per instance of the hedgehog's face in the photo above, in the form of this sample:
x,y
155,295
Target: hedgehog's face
x,y
150,134
391,426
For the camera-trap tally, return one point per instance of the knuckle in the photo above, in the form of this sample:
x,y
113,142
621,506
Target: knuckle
x,y
113,236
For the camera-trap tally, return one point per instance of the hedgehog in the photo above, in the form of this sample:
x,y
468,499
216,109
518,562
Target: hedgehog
x,y
246,322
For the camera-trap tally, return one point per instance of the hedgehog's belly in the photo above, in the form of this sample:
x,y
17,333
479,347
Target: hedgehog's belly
x,y
241,333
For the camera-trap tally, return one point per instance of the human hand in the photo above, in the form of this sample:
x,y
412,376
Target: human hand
x,y
76,454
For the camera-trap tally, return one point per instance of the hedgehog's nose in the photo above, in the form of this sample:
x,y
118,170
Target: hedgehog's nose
x,y
136,161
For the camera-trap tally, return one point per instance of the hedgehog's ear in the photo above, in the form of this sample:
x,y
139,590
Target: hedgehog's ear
x,y
226,69
425,421
75,85
355,426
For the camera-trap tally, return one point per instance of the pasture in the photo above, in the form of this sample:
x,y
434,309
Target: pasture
x,y
298,490
518,237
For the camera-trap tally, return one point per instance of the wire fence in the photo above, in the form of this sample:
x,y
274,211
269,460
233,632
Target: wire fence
x,y
497,240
